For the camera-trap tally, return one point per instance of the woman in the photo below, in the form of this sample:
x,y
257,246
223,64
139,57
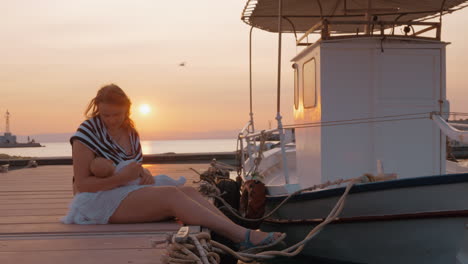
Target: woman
x,y
109,132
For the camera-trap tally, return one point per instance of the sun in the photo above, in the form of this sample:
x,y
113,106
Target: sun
x,y
145,109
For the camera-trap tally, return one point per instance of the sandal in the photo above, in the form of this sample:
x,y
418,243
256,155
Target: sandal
x,y
267,242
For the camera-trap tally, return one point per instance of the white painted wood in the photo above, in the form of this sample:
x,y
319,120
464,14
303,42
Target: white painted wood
x,y
309,146
356,79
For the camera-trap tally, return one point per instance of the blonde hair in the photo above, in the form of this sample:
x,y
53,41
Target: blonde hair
x,y
111,94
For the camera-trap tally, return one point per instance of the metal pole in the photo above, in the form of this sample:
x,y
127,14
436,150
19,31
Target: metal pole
x,y
242,156
368,17
278,102
278,98
250,81
439,33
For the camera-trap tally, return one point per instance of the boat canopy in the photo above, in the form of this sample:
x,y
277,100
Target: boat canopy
x,y
301,15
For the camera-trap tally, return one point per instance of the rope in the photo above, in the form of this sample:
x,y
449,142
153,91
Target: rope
x,y
209,190
192,249
208,179
258,159
389,118
363,179
203,250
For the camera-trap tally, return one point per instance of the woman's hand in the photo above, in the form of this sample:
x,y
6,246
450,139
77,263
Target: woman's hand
x,y
131,172
146,177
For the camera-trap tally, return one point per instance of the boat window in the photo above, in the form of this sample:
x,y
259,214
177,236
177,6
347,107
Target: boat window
x,y
309,83
296,88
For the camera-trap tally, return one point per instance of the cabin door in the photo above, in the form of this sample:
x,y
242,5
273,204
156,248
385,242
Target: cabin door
x,y
407,85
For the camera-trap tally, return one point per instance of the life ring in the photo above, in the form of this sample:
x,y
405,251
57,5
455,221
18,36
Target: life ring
x,y
253,199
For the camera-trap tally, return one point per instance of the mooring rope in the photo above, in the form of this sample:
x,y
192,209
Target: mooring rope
x,y
363,179
201,249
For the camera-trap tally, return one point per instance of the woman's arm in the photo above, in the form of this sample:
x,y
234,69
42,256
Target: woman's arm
x,y
85,182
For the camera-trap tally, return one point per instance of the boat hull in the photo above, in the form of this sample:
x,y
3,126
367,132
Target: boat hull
x,y
437,240
418,220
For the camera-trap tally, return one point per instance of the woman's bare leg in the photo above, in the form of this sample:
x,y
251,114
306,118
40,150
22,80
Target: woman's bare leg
x,y
195,195
152,204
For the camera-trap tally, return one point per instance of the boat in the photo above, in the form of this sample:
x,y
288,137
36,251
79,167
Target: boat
x,y
369,99
4,168
8,140
456,149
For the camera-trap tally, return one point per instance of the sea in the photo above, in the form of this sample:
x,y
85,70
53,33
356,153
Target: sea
x,y
63,149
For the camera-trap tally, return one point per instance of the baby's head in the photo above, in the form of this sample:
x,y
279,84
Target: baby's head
x,y
102,168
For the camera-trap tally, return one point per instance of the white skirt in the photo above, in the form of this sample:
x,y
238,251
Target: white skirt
x,y
96,208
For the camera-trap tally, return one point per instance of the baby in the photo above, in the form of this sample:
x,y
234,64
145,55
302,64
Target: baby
x,y
103,168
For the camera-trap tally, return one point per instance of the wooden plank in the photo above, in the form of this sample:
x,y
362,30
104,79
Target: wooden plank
x,y
32,201
37,198
44,188
8,229
109,256
30,219
32,206
80,243
35,193
33,212
62,201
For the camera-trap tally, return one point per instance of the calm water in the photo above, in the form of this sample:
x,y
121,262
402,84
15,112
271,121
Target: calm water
x,y
59,149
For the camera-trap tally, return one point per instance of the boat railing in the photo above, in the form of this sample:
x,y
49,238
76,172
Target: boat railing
x,y
372,28
259,133
250,143
240,142
450,130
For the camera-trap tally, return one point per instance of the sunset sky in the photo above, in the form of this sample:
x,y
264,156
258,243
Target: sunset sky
x,y
56,54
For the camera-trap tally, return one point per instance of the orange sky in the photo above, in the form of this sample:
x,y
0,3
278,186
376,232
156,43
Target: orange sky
x,y
56,54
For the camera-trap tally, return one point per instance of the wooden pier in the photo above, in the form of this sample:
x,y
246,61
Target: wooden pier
x,y
33,200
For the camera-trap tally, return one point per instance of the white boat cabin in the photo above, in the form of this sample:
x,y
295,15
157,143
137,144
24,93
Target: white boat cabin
x,y
371,99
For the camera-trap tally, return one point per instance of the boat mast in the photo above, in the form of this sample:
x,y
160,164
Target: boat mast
x,y
7,125
278,101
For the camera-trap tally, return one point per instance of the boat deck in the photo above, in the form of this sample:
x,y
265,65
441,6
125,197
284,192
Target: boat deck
x,y
33,200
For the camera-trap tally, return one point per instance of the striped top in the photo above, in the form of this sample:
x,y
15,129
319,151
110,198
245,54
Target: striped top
x,y
93,134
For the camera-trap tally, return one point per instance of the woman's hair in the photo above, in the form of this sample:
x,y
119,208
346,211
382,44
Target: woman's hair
x,y
111,94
